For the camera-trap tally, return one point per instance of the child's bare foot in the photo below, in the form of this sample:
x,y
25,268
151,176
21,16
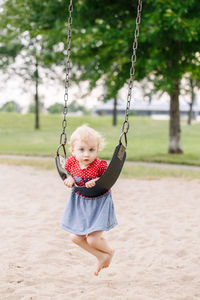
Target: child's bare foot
x,y
109,259
111,256
104,262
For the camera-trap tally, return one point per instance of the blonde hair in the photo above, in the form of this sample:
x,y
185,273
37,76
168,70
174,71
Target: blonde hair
x,y
84,133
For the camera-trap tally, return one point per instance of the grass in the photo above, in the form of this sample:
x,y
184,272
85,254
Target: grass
x,y
147,138
128,171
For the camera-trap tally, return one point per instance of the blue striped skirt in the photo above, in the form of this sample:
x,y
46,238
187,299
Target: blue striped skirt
x,y
85,215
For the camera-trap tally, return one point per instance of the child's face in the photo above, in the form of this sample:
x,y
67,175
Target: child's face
x,y
85,152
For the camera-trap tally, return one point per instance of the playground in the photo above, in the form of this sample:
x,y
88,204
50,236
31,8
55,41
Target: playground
x,y
153,177
157,240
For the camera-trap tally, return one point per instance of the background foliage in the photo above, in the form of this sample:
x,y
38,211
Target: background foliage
x,y
147,138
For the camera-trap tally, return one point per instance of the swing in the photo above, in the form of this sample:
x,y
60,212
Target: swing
x,y
107,180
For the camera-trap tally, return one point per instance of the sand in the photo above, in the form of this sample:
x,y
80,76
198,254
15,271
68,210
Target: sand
x,y
157,241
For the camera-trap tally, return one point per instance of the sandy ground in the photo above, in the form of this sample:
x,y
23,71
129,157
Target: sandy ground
x,y
157,241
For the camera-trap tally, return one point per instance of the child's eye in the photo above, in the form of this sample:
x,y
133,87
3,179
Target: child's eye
x,y
81,149
91,150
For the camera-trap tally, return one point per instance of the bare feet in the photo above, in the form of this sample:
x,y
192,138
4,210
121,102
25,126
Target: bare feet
x,y
111,256
104,262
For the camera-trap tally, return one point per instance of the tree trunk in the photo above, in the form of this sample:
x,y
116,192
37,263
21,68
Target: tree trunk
x,y
190,114
37,123
115,112
174,124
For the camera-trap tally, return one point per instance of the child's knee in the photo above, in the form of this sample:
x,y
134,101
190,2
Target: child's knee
x,y
77,239
91,240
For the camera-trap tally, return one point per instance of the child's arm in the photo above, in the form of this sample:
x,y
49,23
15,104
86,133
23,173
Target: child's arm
x,y
69,181
102,169
91,183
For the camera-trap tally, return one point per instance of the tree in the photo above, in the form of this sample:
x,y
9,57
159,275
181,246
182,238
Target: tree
x,y
11,106
102,39
56,108
168,43
190,84
20,37
194,82
190,114
75,107
32,108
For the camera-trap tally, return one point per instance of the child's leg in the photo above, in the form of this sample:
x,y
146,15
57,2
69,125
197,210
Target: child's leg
x,y
96,241
103,258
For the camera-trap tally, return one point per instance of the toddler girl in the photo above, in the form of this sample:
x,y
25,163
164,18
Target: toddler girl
x,y
87,218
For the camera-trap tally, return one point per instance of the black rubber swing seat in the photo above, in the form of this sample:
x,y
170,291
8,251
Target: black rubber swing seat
x,y
106,181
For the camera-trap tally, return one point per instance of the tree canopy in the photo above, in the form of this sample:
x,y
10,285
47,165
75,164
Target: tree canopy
x,y
168,44
102,37
10,106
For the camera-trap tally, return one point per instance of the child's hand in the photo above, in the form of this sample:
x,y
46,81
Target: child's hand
x,y
90,183
69,182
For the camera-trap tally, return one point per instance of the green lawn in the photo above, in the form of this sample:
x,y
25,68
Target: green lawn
x,y
147,138
129,170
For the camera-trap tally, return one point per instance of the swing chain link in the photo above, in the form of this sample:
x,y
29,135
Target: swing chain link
x,y
63,136
125,126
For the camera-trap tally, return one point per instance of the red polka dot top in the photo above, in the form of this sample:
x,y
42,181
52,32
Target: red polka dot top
x,y
81,176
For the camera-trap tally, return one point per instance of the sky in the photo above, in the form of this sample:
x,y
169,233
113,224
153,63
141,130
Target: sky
x,y
52,91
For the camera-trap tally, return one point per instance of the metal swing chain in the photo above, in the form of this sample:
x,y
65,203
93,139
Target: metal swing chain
x,y
125,126
63,136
